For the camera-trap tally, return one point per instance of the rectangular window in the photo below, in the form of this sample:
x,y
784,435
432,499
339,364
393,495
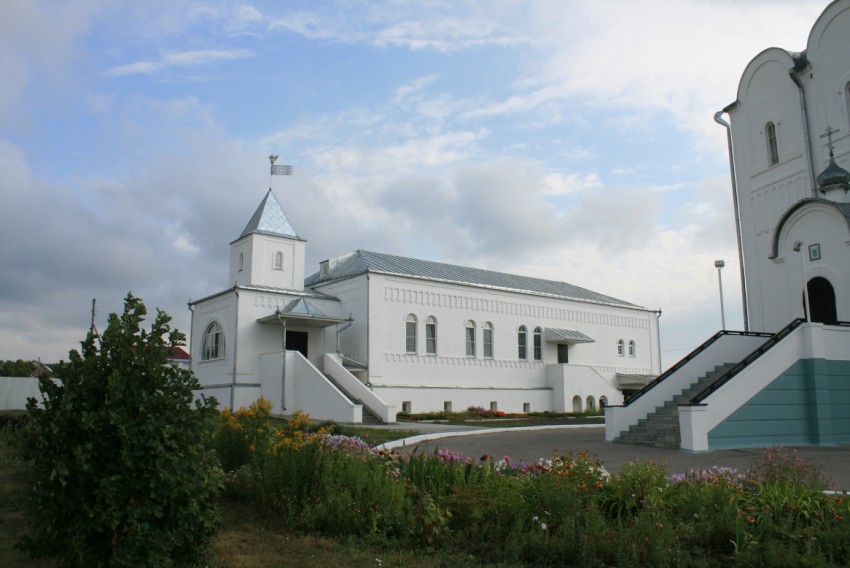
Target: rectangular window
x,y
526,407
488,343
431,338
447,406
494,406
411,337
470,342
406,406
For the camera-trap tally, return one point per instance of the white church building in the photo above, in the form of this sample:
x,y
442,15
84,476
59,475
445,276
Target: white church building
x,y
785,379
369,335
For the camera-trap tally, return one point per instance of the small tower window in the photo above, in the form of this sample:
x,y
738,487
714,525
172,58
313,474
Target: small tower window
x,y
632,348
621,347
241,261
278,260
772,144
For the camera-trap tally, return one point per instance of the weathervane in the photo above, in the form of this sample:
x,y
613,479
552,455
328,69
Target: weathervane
x,y
280,170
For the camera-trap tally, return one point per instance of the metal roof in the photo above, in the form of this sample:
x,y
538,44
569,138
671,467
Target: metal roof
x,y
303,312
566,336
361,261
270,219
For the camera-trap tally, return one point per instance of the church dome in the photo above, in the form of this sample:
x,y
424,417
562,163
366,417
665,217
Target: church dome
x,y
833,177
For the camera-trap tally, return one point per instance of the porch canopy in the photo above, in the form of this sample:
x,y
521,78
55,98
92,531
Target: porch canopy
x,y
302,312
569,336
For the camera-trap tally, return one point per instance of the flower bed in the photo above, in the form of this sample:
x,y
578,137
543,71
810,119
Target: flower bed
x,y
566,509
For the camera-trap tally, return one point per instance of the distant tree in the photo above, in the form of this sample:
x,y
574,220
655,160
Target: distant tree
x,y
124,468
19,368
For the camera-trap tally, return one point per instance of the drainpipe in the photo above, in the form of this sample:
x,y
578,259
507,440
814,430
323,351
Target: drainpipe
x,y
805,112
191,329
658,334
719,120
340,330
283,361
235,351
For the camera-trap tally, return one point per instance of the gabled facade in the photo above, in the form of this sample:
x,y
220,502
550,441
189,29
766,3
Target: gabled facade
x,y
785,380
379,334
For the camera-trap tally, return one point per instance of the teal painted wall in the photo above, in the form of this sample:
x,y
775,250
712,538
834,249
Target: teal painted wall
x,y
808,404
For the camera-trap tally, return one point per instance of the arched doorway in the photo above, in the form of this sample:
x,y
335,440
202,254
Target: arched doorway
x,y
576,403
822,300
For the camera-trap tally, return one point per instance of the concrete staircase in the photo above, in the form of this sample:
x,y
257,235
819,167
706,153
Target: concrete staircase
x,y
368,416
660,429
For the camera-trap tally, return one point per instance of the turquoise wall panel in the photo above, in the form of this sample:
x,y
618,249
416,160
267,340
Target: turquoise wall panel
x,y
786,411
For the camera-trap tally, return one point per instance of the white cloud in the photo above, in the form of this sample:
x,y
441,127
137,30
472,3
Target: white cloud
x,y
179,59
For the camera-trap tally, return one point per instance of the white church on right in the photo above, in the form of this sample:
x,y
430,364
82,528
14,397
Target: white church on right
x,y
785,379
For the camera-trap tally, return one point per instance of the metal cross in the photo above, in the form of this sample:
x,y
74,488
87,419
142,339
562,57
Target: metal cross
x,y
828,135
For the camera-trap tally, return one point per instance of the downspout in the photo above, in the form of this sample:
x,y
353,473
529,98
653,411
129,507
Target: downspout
x,y
339,330
658,335
368,325
191,329
283,361
235,351
719,120
805,111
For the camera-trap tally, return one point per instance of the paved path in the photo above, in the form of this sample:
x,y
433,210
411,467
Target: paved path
x,y
531,444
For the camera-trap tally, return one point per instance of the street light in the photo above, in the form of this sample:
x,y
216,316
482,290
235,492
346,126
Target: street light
x,y
719,264
798,247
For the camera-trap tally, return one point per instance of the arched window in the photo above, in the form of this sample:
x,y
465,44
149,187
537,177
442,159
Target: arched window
x,y
410,334
538,344
431,335
621,347
631,348
522,342
772,144
213,342
241,261
591,404
487,333
278,260
470,338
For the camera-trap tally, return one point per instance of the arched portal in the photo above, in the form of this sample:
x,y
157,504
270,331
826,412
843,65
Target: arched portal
x,y
822,300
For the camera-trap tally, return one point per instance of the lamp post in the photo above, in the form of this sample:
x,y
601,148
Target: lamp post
x,y
798,247
719,264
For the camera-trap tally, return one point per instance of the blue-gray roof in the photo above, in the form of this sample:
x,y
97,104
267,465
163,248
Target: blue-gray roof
x,y
361,262
270,219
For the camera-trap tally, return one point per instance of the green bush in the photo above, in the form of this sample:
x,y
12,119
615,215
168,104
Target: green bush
x,y
124,473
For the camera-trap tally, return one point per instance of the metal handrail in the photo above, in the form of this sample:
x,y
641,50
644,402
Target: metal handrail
x,y
663,376
746,361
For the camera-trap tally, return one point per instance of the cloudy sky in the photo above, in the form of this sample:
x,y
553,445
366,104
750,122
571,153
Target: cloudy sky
x,y
572,140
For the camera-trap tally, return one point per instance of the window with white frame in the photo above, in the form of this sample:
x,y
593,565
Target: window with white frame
x,y
522,342
772,144
538,344
431,335
470,338
213,342
621,347
278,260
632,348
410,334
487,339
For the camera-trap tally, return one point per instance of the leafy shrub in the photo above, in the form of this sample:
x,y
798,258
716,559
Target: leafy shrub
x,y
124,473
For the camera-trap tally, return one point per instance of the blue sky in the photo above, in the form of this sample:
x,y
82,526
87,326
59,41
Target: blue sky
x,y
572,140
